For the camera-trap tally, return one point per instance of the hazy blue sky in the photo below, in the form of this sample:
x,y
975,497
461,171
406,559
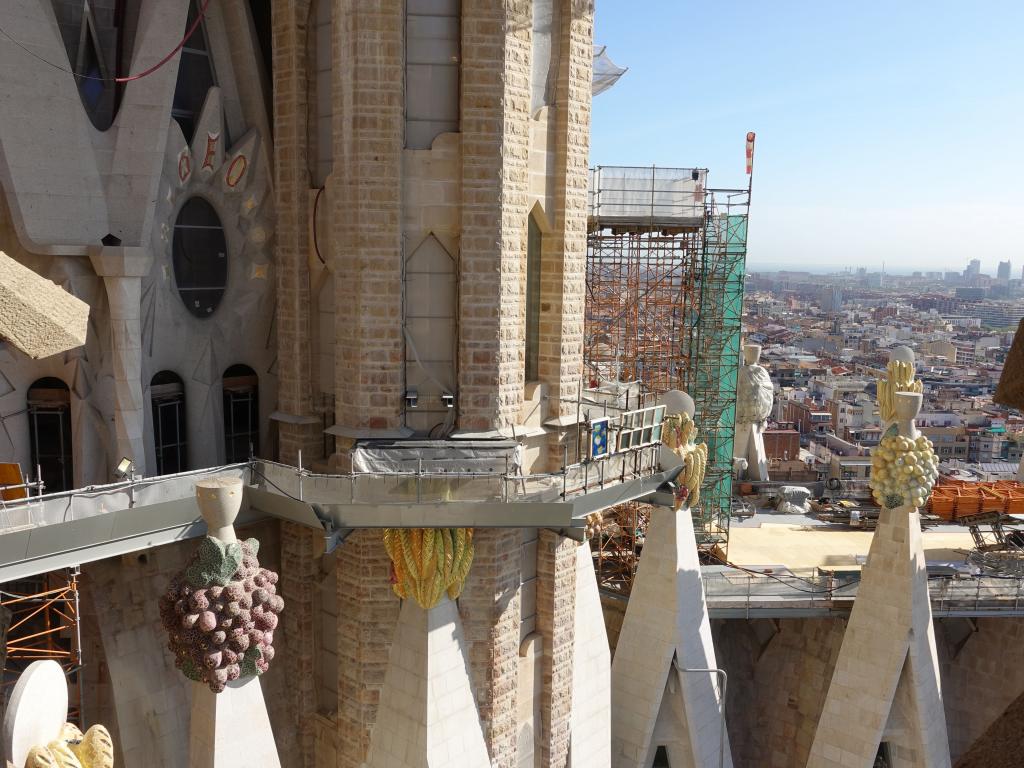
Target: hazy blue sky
x,y
885,130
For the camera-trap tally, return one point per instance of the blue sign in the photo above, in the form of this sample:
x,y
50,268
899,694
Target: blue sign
x,y
599,438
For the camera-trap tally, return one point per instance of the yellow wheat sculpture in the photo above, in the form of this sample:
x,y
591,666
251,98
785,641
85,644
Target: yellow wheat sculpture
x,y
428,562
899,378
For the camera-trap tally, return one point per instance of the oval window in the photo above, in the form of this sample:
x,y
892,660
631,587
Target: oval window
x,y
200,255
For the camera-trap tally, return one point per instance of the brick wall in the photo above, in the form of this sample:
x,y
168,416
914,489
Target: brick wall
x,y
291,247
556,607
366,243
490,607
496,56
301,548
367,615
563,270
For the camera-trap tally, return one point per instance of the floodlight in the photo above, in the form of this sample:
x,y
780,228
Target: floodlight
x,y
125,467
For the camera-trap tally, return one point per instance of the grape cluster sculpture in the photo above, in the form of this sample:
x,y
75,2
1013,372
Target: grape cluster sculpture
x,y
899,378
220,613
73,749
427,562
903,471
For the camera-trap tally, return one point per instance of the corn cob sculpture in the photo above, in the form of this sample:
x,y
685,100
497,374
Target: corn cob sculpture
x,y
429,562
73,749
680,432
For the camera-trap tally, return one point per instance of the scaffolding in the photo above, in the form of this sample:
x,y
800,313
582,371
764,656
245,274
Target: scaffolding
x,y
42,622
665,265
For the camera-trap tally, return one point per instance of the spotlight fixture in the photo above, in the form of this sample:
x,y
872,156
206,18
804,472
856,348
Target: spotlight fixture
x,y
125,468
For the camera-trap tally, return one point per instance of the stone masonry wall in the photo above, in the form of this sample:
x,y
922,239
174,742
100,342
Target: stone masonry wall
x,y
982,664
301,548
563,259
779,672
556,608
490,607
497,57
367,616
366,207
291,187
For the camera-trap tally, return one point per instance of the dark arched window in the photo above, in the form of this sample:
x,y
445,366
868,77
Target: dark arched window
x,y
241,413
533,266
49,429
195,76
170,438
200,255
98,38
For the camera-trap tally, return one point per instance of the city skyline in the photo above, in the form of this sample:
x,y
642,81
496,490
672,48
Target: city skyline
x,y
861,158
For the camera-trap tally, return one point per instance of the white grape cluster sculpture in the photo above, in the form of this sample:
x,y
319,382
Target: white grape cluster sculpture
x,y
903,471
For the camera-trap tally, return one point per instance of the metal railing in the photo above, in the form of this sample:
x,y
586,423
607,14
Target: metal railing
x,y
815,589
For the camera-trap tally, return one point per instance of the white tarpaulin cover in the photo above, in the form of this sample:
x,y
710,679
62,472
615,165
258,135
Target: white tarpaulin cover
x,y
606,72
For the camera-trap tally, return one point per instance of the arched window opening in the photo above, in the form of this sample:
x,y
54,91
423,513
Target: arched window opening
x,y
195,76
170,438
98,38
200,255
241,388
533,261
49,425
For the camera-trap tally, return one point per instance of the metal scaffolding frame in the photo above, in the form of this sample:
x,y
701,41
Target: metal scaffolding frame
x,y
43,624
664,308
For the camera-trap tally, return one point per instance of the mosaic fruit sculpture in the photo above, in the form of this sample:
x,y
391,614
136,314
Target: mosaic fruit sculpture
x,y
427,562
679,435
220,613
73,749
903,471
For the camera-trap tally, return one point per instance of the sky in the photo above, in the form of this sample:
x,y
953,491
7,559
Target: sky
x,y
888,133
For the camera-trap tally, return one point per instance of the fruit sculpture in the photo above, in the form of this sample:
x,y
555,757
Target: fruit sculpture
x,y
220,613
903,466
679,435
903,471
73,749
428,562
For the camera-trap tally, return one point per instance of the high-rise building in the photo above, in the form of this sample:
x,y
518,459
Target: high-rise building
x,y
973,268
1003,273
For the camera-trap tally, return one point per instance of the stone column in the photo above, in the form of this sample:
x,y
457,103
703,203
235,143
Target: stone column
x,y
122,269
366,205
590,745
556,608
563,267
496,71
367,615
298,428
427,714
666,631
491,610
886,685
230,729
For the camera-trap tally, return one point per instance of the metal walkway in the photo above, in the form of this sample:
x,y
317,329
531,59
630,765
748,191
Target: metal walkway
x,y
44,533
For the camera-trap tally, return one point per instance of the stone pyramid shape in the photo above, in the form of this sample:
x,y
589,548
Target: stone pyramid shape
x,y
886,686
231,729
427,716
667,630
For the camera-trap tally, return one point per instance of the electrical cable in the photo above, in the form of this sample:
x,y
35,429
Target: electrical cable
x,y
316,242
127,78
275,485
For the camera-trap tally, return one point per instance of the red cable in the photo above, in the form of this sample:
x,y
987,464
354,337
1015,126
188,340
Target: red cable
x,y
169,56
127,78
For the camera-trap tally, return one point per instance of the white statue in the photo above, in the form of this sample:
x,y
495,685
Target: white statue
x,y
754,398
